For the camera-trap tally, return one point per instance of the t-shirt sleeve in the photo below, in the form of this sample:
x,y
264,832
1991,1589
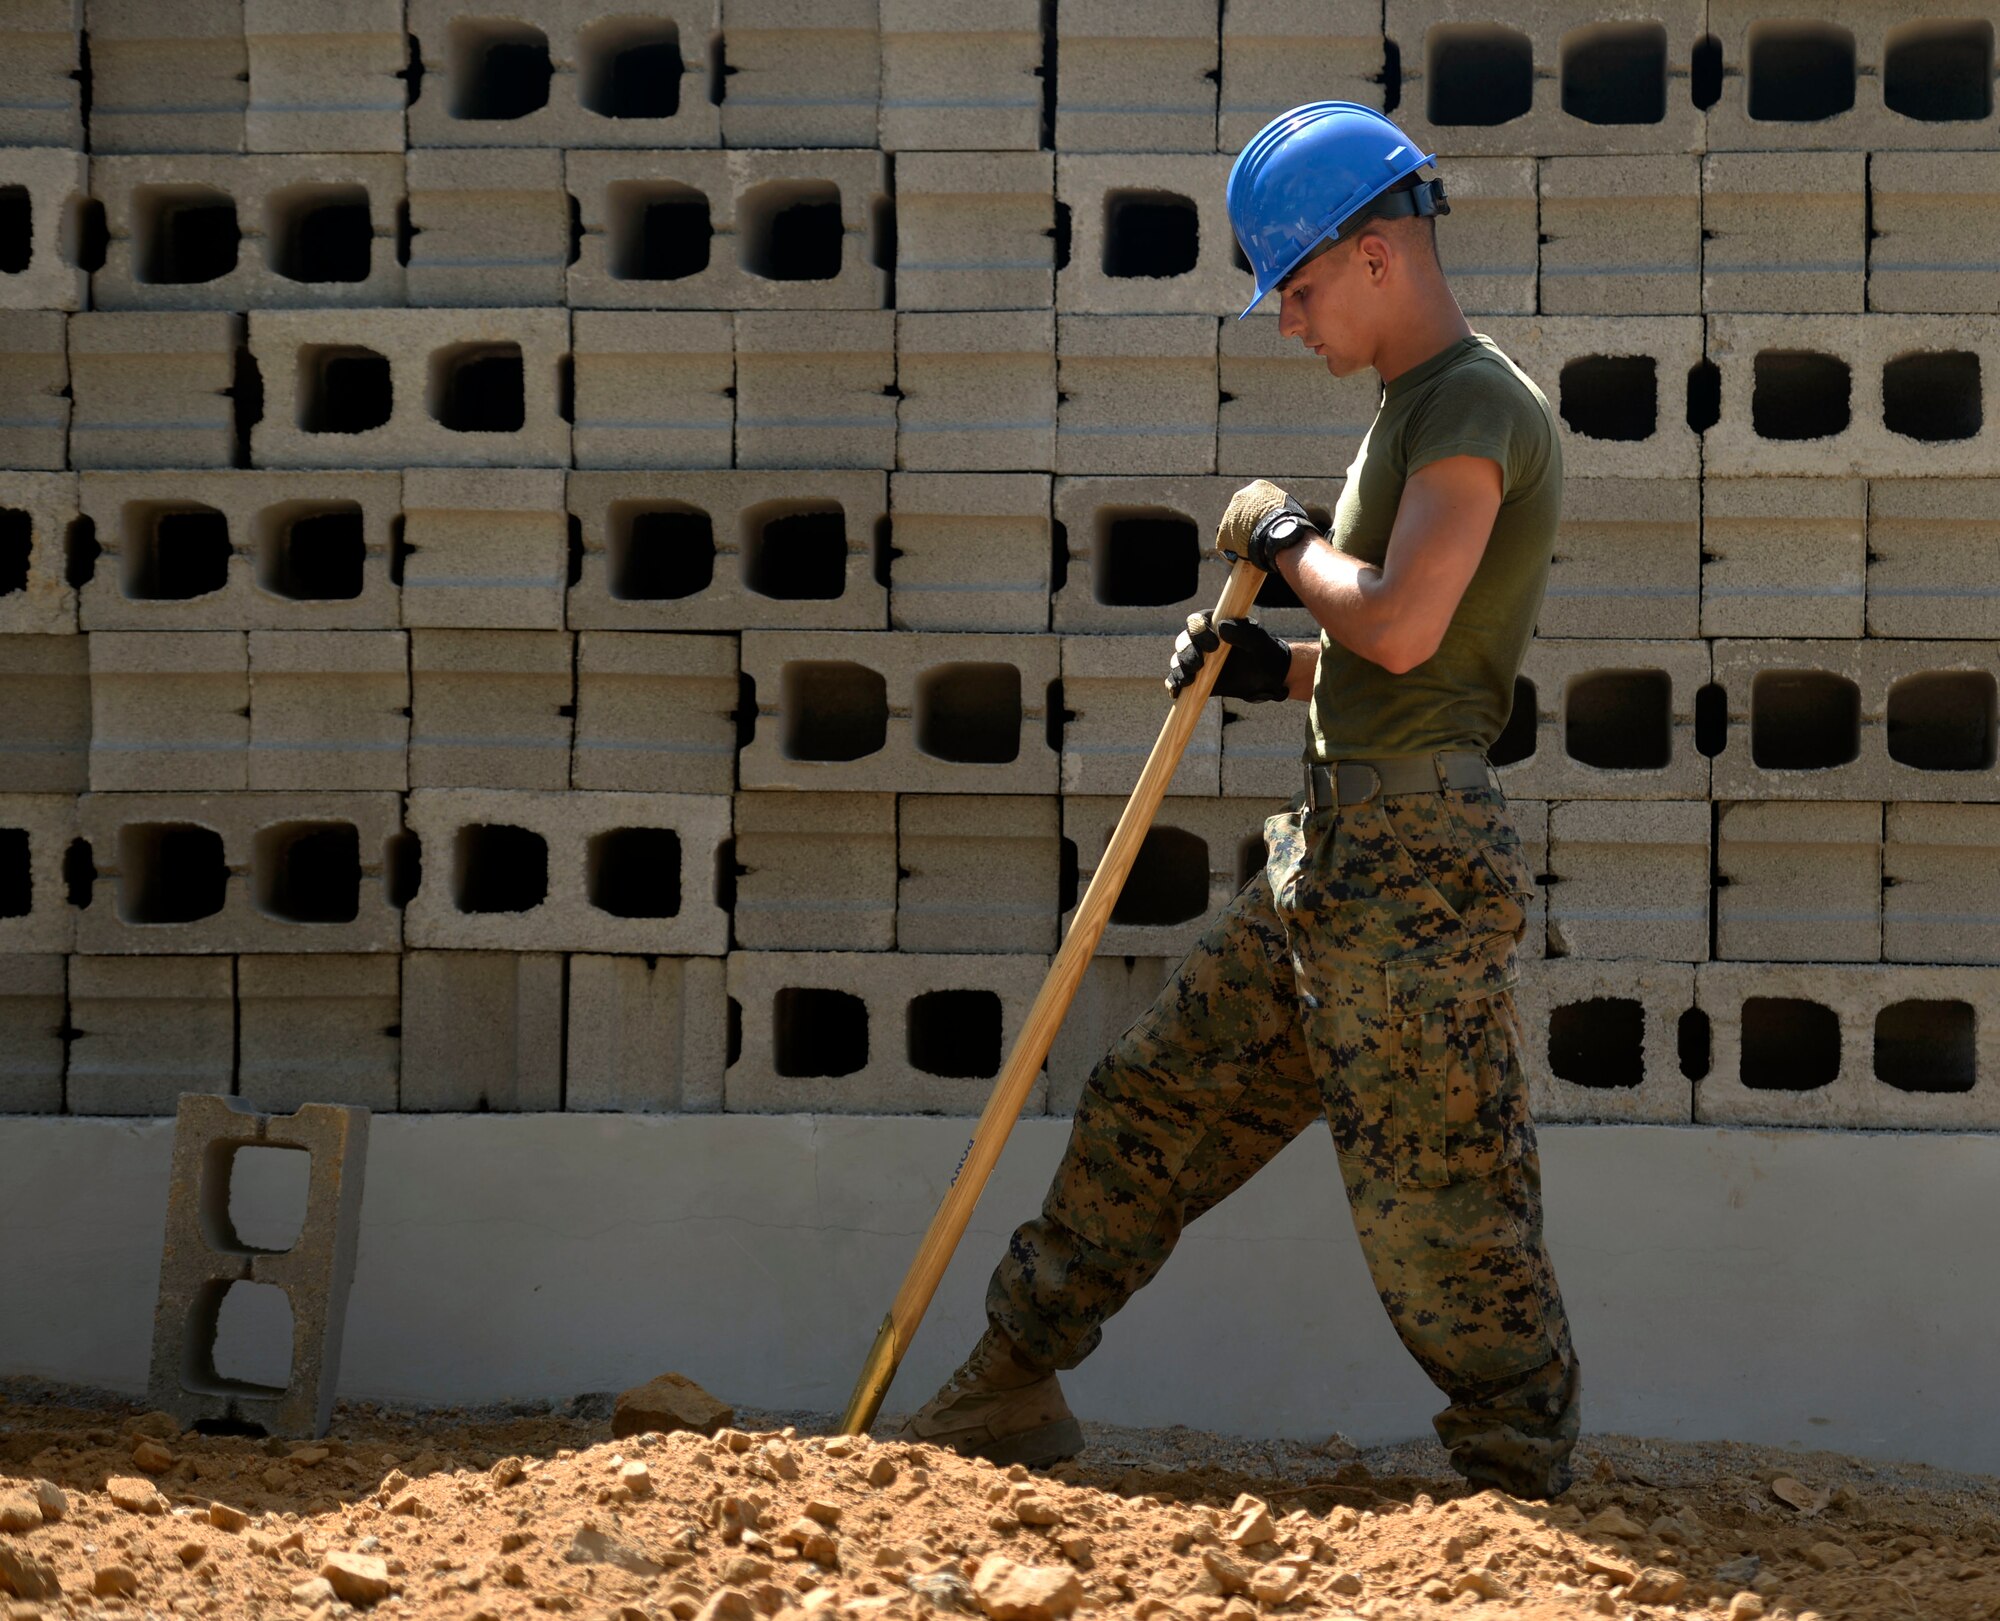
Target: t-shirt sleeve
x,y
1475,411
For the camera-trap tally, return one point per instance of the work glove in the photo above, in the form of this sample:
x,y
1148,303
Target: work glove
x,y
1258,664
1261,522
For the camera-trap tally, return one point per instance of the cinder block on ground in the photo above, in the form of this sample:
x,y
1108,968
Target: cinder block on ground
x,y
1783,556
654,390
329,710
37,515
1197,854
1282,414
246,872
1933,554
409,388
901,712
1613,720
876,1032
1941,883
1148,235
484,549
319,1029
1137,394
975,230
1799,883
962,76
490,708
1137,78
34,390
153,388
46,189
41,102
972,551
167,79
1621,235
801,79
1825,1045
1936,222
816,388
148,1029
169,710
647,1035
326,78
1631,880
977,873
569,872
1784,230
45,714
1628,560
1490,241
35,835
726,550
34,1006
205,1256
816,872
490,228
1279,54
482,1030
241,550
1604,1040
1113,993
215,232
655,714
1114,692
977,391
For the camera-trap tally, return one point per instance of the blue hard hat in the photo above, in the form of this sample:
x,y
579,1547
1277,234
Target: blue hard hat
x,y
1306,173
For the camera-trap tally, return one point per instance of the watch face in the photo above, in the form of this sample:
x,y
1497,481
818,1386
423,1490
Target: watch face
x,y
1284,526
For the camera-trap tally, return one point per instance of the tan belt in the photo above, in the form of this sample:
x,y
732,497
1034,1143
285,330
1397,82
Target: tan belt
x,y
1355,782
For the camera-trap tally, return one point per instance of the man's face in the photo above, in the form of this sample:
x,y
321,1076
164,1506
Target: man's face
x,y
1328,304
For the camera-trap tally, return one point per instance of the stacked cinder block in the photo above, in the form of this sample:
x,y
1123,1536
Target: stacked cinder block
x,y
563,560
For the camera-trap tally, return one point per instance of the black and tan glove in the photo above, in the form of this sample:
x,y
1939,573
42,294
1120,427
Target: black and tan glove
x,y
1262,521
1257,669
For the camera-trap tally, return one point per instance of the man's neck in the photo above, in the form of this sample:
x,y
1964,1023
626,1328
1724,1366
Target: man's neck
x,y
1435,324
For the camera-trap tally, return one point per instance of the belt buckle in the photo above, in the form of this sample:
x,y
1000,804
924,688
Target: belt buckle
x,y
1352,772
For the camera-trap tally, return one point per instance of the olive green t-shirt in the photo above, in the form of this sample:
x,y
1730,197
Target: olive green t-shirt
x,y
1469,400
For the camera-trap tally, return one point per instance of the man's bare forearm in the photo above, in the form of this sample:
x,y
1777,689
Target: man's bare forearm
x,y
1305,665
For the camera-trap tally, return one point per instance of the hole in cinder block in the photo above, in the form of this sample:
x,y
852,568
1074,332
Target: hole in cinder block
x,y
500,69
312,551
1789,1044
1927,1046
402,868
79,873
658,551
265,1192
1150,234
1620,720
1800,71
174,553
80,552
1795,394
795,551
309,872
1168,882
635,872
170,872
343,388
1804,720
790,230
1705,72
322,233
1704,396
17,230
1691,1043
17,549
499,868
1611,396
1711,719
1144,557
660,231
970,713
955,1034
17,880
1942,720
479,388
1615,73
1516,741
1599,1042
833,710
1939,72
818,1032
1933,396
86,235
238,1341
183,234
632,67
1478,73
1276,592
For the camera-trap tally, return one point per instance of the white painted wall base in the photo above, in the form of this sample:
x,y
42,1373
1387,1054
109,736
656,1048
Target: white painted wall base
x,y
1797,1288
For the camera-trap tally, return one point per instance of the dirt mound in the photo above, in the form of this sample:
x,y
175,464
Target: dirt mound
x,y
469,1516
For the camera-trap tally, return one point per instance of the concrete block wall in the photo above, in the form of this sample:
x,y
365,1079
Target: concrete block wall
x,y
564,561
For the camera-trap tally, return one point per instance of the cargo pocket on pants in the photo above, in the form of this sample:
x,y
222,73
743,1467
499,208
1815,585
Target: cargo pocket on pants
x,y
1460,1094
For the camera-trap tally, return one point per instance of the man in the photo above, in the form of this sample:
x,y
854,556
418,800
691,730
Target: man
x,y
1366,972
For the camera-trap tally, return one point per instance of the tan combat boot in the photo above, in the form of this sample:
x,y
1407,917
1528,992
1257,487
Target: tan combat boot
x,y
998,1408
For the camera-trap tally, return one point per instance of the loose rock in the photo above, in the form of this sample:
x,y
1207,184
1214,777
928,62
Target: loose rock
x,y
26,1576
356,1578
19,1512
670,1402
1008,1591
135,1494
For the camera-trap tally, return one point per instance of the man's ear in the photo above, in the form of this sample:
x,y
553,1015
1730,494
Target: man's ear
x,y
1376,253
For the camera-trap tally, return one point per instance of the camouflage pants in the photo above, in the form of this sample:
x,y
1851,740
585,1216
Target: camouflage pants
x,y
1365,974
